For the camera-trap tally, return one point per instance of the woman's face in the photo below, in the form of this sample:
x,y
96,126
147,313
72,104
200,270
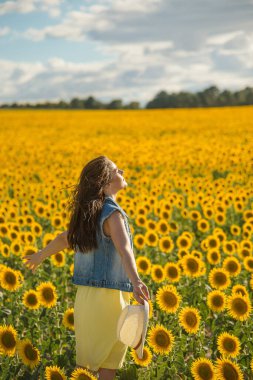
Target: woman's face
x,y
118,182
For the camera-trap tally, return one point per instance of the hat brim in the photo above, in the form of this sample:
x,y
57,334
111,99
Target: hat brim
x,y
139,350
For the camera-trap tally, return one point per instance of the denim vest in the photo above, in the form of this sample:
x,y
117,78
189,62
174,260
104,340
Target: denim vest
x,y
103,267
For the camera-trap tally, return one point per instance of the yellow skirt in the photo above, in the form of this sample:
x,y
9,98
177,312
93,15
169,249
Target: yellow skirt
x,y
96,313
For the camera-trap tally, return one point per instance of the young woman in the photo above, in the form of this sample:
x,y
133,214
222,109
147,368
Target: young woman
x,y
105,271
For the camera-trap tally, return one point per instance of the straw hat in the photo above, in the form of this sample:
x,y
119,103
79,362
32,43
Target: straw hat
x,y
132,326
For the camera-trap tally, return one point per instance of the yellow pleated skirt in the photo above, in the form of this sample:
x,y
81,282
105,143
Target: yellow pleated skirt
x,y
96,313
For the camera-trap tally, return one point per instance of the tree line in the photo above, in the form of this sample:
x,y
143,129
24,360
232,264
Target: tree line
x,y
210,97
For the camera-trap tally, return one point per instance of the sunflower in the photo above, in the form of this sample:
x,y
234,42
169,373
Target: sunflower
x,y
58,259
189,319
166,244
8,340
68,318
219,278
47,294
183,242
57,221
162,227
228,344
160,339
143,264
31,300
244,252
192,265
232,265
36,229
16,247
216,300
213,256
241,289
157,273
139,241
28,353
82,374
172,271
71,268
146,359
54,373
248,263
239,306
235,230
228,247
203,225
251,281
151,238
141,221
213,242
202,369
225,369
10,279
220,218
168,298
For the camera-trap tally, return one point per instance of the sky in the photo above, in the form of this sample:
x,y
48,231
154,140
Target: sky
x,y
122,49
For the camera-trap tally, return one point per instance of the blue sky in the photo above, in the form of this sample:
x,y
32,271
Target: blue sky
x,y
128,49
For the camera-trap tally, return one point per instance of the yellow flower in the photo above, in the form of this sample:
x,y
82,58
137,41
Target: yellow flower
x,y
232,265
28,353
82,374
172,271
68,319
168,298
8,340
10,279
58,259
157,273
166,244
225,369
248,263
202,369
139,241
143,264
189,319
216,300
192,265
146,359
239,306
31,300
228,344
219,278
47,294
54,373
151,238
213,256
241,289
160,339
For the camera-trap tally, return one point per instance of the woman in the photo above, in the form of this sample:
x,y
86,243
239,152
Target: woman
x,y
104,266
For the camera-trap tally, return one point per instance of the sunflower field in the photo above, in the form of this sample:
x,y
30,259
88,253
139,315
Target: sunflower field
x,y
190,203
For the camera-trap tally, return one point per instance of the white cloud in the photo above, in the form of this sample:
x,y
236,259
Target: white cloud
x,y
52,7
4,31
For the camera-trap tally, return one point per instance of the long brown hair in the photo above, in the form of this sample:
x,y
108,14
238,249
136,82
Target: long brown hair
x,y
86,204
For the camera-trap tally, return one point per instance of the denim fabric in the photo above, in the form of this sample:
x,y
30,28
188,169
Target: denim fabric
x,y
103,267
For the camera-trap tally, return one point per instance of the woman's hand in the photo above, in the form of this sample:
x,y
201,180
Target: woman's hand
x,y
33,260
140,291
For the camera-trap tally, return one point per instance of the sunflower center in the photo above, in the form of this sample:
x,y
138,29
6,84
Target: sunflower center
x,y
220,278
162,339
10,278
214,256
30,352
8,340
144,265
240,306
166,244
158,273
230,372
173,272
48,294
232,266
217,301
229,344
152,238
55,375
192,265
170,299
205,371
71,318
32,299
191,319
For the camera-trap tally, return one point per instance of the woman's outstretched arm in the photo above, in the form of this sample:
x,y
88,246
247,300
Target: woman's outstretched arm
x,y
56,245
